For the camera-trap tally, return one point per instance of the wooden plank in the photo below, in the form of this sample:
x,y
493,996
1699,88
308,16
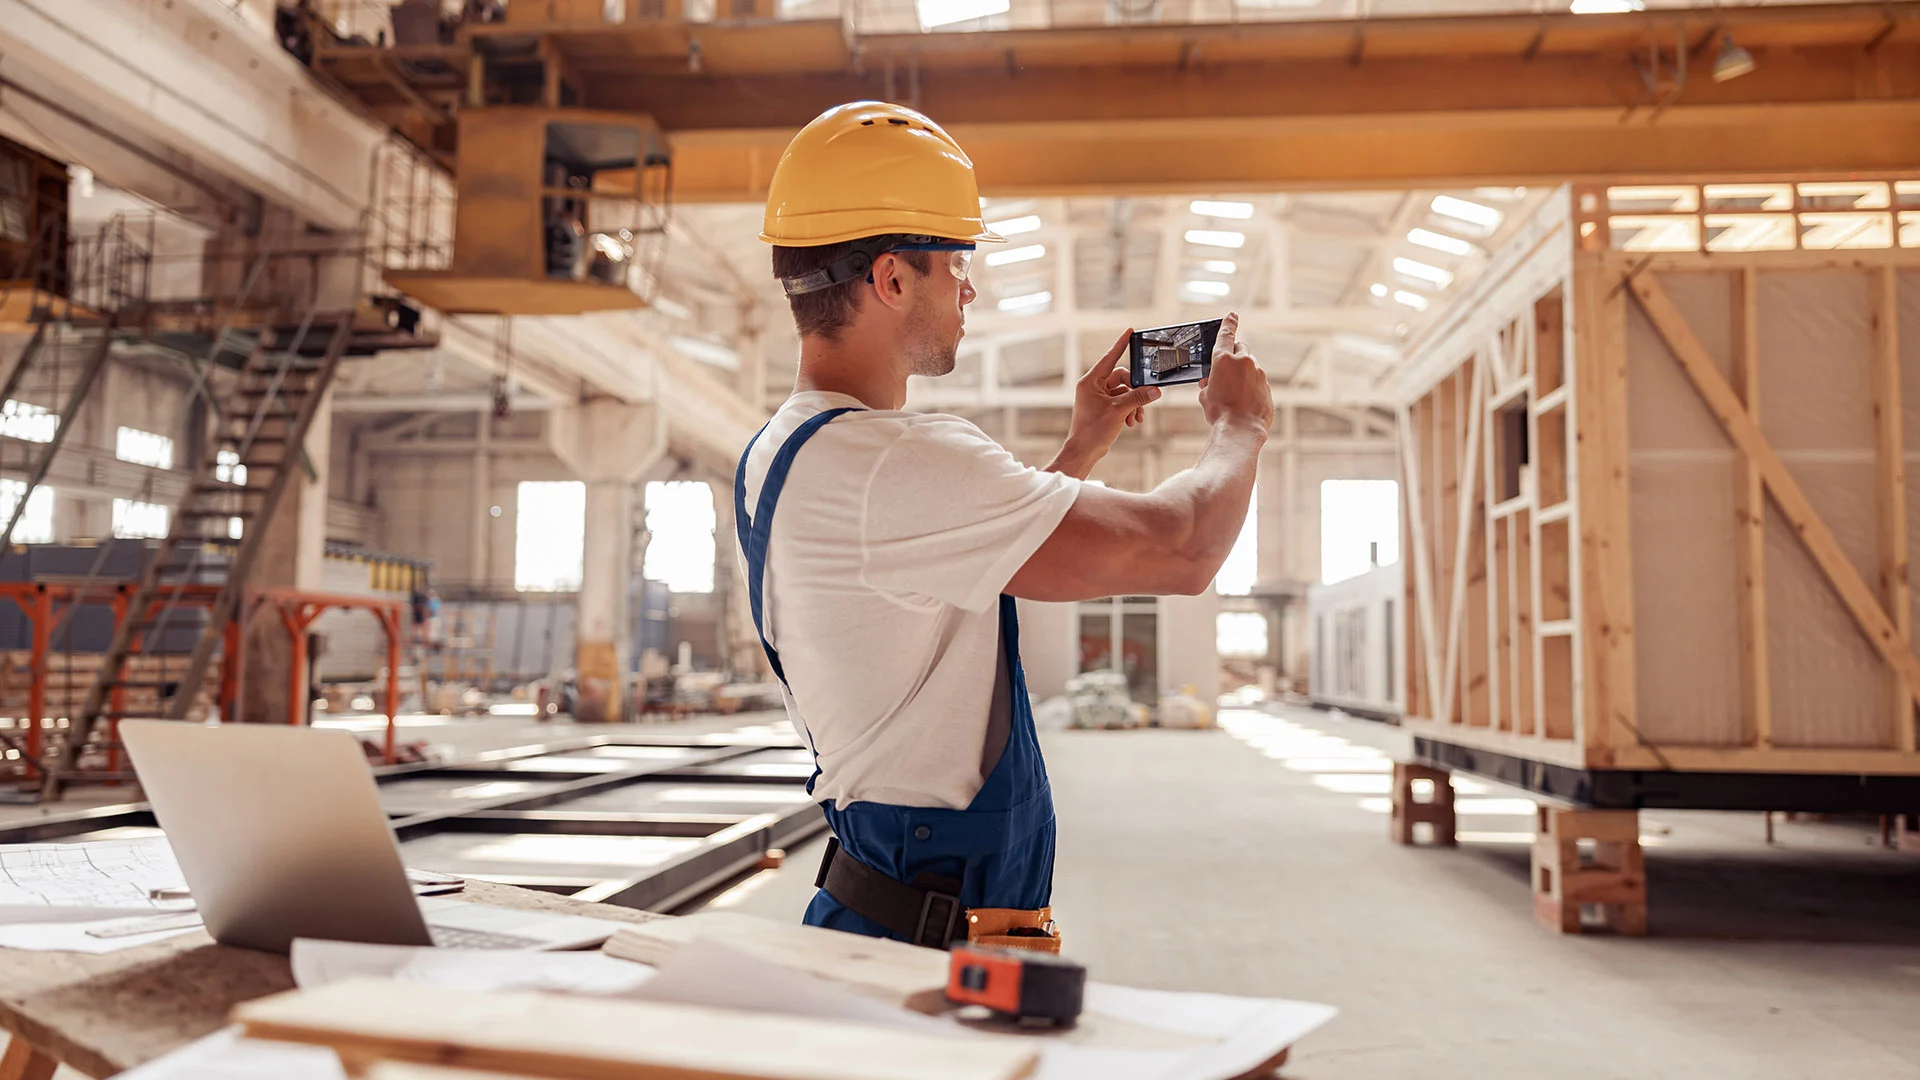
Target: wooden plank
x,y
1446,503
1891,473
1504,671
1859,599
24,1062
1777,759
1466,511
1412,671
1598,489
1750,509
367,1020
1411,466
1526,648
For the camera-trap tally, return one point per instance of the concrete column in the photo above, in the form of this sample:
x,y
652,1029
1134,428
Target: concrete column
x,y
292,554
608,445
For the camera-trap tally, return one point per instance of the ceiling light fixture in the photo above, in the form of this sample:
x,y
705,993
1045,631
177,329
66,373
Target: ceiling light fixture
x,y
1216,238
1239,211
711,352
1606,7
1484,216
1016,255
1411,299
1219,266
1732,62
1378,289
1027,302
1420,271
1015,226
947,12
1452,245
1208,288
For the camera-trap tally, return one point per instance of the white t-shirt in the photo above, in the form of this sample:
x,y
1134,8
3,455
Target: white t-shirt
x,y
891,543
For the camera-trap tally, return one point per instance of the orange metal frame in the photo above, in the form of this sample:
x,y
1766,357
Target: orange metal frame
x,y
42,602
298,608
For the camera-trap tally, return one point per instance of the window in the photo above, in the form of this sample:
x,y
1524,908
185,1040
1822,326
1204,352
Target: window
x,y
138,519
36,524
1359,522
680,551
227,468
31,423
550,537
1240,634
143,448
1242,567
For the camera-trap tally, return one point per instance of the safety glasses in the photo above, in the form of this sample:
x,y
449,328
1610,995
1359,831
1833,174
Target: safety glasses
x,y
959,257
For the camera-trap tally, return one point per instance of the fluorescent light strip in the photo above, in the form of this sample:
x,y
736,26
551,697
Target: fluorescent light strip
x,y
1484,216
1016,255
1239,211
1411,299
1208,288
1028,302
1378,289
1414,268
1606,7
947,12
1219,266
1216,238
1452,245
1015,226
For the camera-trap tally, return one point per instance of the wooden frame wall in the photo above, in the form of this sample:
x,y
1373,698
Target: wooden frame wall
x,y
1520,624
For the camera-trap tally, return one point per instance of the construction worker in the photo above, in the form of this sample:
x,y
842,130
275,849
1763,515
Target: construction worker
x,y
884,592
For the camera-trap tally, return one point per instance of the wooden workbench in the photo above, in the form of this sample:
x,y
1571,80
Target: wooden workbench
x,y
107,1013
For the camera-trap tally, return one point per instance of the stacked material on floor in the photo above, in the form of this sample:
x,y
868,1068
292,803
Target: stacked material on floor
x,y
1101,700
70,675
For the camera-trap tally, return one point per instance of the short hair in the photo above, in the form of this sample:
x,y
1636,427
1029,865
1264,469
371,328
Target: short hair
x,y
826,312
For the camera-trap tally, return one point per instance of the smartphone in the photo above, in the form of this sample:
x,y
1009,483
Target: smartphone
x,y
1169,355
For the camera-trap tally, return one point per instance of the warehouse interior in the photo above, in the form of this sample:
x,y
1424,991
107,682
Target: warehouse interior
x,y
381,368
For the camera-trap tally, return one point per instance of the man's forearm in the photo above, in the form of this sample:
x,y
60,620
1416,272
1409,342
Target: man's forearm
x,y
1215,493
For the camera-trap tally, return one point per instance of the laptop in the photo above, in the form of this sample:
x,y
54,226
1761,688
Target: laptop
x,y
280,835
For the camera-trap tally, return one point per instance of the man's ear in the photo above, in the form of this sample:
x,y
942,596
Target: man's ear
x,y
890,285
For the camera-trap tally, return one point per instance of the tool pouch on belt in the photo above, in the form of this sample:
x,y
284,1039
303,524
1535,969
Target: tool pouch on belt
x,y
1013,928
928,911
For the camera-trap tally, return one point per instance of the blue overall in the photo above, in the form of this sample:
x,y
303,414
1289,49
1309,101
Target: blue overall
x,y
1000,848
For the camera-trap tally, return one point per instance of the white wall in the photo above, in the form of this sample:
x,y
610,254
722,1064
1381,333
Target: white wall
x,y
1050,647
1372,605
1047,646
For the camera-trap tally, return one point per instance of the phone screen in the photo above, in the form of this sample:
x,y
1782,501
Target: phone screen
x,y
1168,355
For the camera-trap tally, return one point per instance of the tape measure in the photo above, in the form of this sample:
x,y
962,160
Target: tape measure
x,y
1017,984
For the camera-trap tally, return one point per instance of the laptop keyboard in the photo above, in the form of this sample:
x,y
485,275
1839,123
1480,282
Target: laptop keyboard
x,y
455,937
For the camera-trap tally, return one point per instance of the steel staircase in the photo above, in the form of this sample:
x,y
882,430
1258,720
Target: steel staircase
x,y
259,427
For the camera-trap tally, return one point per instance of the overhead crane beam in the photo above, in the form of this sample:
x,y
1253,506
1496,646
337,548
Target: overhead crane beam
x,y
1388,102
1427,101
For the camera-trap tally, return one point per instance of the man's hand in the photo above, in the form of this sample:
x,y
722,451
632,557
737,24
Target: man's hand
x,y
1104,402
1236,389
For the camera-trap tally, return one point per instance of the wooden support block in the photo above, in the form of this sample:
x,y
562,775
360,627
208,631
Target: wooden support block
x,y
1408,811
24,1061
1611,876
1906,833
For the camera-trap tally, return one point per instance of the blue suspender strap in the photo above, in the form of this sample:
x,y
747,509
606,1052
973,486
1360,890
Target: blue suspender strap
x,y
754,533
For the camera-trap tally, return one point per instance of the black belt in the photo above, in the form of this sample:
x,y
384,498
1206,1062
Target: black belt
x,y
927,912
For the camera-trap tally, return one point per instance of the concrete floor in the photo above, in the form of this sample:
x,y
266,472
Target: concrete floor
x,y
1256,862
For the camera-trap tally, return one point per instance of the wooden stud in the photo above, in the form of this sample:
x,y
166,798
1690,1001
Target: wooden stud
x,y
1526,707
1613,877
1892,487
1480,669
1408,811
1854,593
1412,672
1750,495
1597,484
1446,511
1504,672
1418,422
1452,701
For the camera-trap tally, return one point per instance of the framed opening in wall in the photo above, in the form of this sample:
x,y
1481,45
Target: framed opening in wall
x,y
1123,634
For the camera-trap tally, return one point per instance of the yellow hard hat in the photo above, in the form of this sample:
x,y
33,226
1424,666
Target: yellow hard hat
x,y
868,168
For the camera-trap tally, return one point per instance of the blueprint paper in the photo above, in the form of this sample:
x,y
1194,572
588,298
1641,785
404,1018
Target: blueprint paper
x,y
100,874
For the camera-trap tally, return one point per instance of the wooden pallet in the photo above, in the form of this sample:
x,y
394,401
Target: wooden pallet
x,y
1585,860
